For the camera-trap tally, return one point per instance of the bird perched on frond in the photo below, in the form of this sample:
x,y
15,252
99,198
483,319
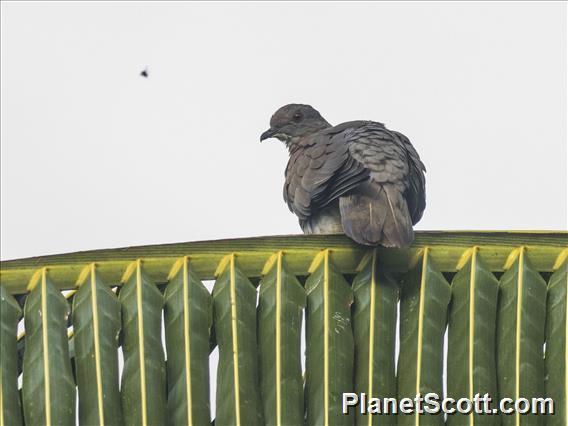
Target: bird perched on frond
x,y
358,177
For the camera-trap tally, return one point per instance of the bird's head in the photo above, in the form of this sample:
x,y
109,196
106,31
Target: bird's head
x,y
294,121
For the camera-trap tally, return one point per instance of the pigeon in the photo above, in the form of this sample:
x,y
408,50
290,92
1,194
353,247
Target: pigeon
x,y
357,178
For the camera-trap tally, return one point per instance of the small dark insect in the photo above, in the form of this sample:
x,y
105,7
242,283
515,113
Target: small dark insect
x,y
144,73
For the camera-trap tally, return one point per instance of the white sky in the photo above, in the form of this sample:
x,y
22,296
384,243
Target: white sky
x,y
95,156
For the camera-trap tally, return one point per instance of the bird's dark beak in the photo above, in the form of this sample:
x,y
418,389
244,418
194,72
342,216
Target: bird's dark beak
x,y
268,134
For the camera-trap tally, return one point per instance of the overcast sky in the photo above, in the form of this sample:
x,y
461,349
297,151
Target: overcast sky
x,y
96,156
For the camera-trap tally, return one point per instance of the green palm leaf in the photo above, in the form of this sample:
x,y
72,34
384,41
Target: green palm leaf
x,y
10,313
188,318
143,377
234,298
471,338
556,379
423,312
374,324
96,326
48,387
349,343
520,336
282,299
329,352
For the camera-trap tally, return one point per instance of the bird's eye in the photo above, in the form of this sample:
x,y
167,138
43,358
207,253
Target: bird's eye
x,y
297,117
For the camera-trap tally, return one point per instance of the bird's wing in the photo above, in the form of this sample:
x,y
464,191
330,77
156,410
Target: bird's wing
x,y
320,169
383,209
416,191
389,157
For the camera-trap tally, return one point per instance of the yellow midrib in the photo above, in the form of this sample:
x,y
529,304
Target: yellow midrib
x,y
520,274
141,341
372,328
326,337
186,340
45,346
278,337
233,295
98,372
420,327
472,279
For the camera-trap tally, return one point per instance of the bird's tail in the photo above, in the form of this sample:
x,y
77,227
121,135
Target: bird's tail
x,y
377,214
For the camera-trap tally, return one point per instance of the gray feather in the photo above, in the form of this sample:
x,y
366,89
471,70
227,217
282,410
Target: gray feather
x,y
377,214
